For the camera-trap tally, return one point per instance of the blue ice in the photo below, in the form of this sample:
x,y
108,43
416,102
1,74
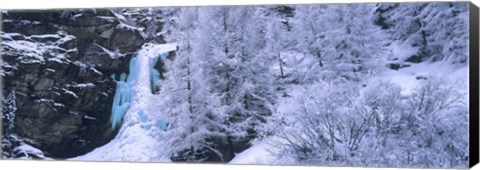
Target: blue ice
x,y
123,94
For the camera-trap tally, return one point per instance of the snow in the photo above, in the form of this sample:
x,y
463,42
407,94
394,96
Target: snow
x,y
34,50
164,27
50,70
96,71
29,49
31,62
9,35
27,149
43,100
74,17
406,81
58,105
143,127
29,46
55,36
261,152
154,74
112,55
83,85
402,51
65,38
108,18
129,27
408,78
25,22
120,17
257,154
89,117
295,64
58,60
155,50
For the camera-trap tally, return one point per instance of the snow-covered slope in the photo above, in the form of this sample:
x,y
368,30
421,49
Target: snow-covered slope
x,y
143,127
262,152
410,77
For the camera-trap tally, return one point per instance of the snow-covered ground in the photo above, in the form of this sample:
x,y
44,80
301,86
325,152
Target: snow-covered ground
x,y
262,152
259,153
26,150
140,135
408,78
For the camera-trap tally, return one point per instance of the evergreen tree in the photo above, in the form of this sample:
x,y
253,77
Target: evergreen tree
x,y
342,38
438,30
195,113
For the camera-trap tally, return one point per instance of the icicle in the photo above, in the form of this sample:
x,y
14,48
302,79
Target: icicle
x,y
123,95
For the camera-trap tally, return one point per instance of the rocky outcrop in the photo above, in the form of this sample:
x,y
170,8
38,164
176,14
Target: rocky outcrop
x,y
58,64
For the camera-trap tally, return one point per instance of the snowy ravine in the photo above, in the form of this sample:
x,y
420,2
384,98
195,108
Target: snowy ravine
x,y
143,126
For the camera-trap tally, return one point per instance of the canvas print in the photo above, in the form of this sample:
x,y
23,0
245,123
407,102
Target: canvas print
x,y
359,84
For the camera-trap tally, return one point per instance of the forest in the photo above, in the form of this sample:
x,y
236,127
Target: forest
x,y
361,84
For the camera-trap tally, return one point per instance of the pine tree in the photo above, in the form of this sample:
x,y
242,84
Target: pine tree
x,y
229,69
439,30
195,113
342,39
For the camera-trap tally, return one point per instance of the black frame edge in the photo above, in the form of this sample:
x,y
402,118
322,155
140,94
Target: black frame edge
x,y
474,85
1,89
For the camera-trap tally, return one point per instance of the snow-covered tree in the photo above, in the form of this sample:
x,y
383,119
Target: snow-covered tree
x,y
8,111
8,116
220,65
312,124
342,38
254,90
435,116
195,113
237,69
438,30
279,40
381,104
344,124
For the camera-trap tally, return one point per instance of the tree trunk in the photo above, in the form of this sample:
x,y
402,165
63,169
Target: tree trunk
x,y
280,63
225,30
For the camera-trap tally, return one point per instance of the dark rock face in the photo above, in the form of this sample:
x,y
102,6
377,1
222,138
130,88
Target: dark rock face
x,y
59,63
225,146
397,66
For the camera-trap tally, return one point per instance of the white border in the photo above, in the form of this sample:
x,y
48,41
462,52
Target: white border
x,y
53,4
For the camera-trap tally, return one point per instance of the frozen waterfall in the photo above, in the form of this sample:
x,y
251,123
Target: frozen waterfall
x,y
141,126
